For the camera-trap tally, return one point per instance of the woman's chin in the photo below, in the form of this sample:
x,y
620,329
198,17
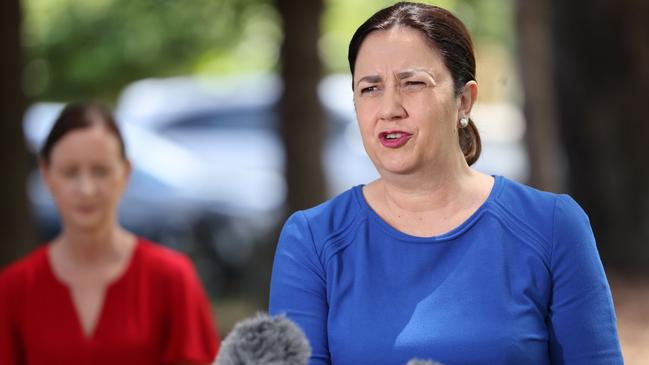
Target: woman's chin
x,y
86,223
396,167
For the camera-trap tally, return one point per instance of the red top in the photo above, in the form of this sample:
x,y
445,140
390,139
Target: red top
x,y
156,312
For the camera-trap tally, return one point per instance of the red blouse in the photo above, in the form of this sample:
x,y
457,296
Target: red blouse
x,y
156,312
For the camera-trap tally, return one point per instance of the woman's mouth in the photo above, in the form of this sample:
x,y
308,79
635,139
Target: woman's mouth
x,y
86,209
394,139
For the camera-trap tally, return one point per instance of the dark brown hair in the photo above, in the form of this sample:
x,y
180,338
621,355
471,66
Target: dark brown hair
x,y
81,115
447,34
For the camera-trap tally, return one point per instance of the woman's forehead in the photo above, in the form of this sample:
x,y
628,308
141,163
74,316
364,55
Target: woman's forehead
x,y
86,141
396,51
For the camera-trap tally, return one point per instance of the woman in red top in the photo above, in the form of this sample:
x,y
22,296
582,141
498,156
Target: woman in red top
x,y
98,294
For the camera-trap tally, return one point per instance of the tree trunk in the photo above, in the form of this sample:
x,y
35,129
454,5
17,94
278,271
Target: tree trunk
x,y
602,77
15,225
546,156
301,121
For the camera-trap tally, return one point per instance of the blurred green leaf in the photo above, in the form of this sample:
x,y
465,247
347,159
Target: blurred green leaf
x,y
487,21
78,49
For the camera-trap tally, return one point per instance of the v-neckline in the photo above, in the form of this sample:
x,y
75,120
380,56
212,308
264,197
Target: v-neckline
x,y
94,330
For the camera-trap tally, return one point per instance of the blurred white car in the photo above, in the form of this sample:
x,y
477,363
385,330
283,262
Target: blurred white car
x,y
234,123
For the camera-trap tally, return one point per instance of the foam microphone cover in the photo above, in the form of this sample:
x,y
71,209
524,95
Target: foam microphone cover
x,y
263,339
423,362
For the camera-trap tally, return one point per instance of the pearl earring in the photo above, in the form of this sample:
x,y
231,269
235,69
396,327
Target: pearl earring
x,y
464,122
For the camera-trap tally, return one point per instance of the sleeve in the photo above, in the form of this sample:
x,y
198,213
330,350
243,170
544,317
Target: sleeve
x,y
582,320
298,286
191,336
10,346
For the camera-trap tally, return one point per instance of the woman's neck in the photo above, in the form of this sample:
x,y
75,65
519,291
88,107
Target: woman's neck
x,y
432,188
430,193
426,205
104,245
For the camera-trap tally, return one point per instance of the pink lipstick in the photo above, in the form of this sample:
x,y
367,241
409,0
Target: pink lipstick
x,y
394,139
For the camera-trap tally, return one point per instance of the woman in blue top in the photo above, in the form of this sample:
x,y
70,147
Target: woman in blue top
x,y
434,259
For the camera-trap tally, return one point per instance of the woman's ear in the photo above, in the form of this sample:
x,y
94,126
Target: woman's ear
x,y
43,168
128,169
467,98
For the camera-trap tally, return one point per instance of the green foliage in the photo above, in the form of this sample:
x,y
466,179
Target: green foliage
x,y
78,49
91,49
487,21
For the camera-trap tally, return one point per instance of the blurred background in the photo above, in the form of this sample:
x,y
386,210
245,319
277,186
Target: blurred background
x,y
238,112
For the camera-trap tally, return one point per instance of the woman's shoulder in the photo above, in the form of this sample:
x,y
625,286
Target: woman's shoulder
x,y
534,208
524,200
333,215
155,257
513,191
25,271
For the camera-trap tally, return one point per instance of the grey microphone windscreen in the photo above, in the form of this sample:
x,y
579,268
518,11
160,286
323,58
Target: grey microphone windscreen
x,y
264,340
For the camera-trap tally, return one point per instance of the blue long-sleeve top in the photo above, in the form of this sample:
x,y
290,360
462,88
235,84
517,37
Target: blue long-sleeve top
x,y
520,282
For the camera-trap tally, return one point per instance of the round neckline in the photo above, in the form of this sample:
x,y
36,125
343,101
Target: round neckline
x,y
451,234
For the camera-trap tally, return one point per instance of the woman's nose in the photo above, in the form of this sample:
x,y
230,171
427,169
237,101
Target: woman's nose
x,y
391,104
86,184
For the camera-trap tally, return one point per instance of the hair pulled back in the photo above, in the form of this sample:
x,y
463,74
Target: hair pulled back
x,y
81,115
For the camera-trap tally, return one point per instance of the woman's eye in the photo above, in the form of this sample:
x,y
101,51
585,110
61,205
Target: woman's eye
x,y
69,172
369,90
414,85
100,171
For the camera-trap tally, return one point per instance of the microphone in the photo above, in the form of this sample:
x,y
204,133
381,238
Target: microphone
x,y
271,340
416,361
263,339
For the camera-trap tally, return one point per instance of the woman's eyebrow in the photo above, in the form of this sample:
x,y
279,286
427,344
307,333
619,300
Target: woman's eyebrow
x,y
372,79
404,74
411,72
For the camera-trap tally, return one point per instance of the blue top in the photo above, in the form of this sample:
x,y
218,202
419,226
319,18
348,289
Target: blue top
x,y
519,282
